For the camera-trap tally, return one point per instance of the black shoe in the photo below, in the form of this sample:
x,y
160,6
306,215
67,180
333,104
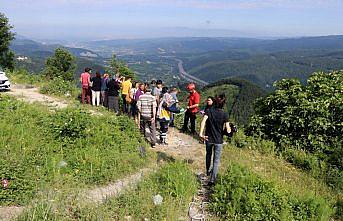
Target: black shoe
x,y
210,184
153,145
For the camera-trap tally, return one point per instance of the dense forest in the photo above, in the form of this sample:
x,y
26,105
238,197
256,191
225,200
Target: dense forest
x,y
240,95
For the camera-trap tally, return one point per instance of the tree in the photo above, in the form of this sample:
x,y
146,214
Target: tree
x,y
114,65
6,36
120,67
61,64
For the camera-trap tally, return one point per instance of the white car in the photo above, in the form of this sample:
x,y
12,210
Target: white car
x,y
5,84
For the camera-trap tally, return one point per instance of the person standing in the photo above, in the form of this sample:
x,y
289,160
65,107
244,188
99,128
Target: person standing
x,y
192,108
173,105
96,88
157,90
125,93
113,88
105,79
215,119
85,84
164,114
146,105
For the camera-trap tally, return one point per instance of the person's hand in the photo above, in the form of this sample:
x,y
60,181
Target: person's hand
x,y
187,107
204,138
153,120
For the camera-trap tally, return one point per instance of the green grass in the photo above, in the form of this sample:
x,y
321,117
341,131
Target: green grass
x,y
43,149
175,182
258,156
243,195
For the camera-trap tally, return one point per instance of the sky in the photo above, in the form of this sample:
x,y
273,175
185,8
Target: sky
x,y
114,19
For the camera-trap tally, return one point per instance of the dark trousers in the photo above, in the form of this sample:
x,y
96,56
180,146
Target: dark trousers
x,y
152,129
163,130
86,93
189,117
173,109
125,104
104,100
113,103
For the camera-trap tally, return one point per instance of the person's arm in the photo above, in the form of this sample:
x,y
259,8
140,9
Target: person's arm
x,y
228,128
154,105
202,128
196,101
139,105
193,106
227,124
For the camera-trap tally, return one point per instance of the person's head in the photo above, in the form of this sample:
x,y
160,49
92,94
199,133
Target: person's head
x,y
106,75
148,90
159,83
128,78
210,101
97,74
174,90
136,85
117,76
88,70
164,90
191,88
220,101
153,83
141,86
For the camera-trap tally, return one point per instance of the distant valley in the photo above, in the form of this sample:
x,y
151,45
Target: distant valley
x,y
210,59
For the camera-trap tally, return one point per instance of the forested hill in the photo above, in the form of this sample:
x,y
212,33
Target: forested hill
x,y
241,95
36,53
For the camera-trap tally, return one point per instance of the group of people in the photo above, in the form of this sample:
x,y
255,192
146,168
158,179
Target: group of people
x,y
149,103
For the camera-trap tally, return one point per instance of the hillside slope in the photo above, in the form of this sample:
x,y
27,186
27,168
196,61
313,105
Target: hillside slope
x,y
240,94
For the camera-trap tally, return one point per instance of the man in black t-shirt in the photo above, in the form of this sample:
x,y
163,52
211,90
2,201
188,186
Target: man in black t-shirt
x,y
113,88
215,119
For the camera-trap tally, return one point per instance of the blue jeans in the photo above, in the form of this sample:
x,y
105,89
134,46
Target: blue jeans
x,y
217,149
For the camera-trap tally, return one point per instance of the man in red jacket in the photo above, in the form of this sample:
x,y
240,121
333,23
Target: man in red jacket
x,y
192,108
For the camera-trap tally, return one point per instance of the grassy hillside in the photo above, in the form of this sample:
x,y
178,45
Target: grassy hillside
x,y
63,149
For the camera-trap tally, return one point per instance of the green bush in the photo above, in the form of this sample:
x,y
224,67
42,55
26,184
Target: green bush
x,y
59,87
240,140
22,76
242,195
306,117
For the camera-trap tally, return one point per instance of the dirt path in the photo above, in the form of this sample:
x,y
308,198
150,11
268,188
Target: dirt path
x,y
31,95
189,149
181,146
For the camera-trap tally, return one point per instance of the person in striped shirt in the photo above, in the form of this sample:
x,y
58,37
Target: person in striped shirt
x,y
146,105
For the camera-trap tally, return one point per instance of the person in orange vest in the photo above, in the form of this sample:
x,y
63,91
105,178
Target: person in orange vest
x,y
192,108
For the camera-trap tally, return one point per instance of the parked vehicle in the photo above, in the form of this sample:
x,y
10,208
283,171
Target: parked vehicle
x,y
5,83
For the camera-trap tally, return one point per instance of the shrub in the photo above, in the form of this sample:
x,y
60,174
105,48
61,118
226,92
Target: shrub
x,y
22,76
69,125
305,118
59,87
242,195
240,140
